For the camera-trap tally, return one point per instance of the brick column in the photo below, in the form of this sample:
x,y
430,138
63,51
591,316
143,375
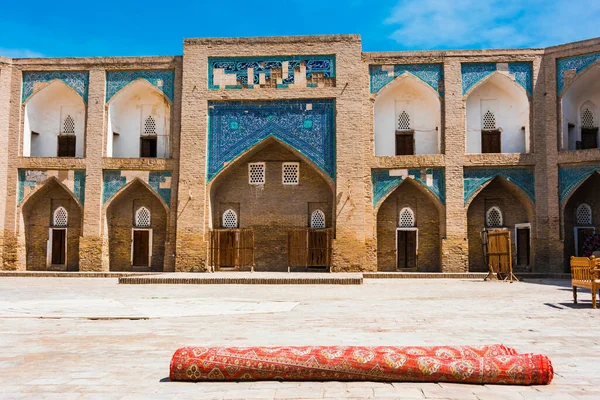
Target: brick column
x,y
5,94
455,246
93,245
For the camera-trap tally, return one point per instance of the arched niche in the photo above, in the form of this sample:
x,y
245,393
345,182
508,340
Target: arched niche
x,y
138,122
500,97
407,99
583,94
55,113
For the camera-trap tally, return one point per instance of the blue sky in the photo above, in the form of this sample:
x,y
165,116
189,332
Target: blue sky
x,y
121,28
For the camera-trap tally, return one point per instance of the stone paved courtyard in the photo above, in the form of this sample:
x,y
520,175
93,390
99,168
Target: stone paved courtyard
x,y
76,338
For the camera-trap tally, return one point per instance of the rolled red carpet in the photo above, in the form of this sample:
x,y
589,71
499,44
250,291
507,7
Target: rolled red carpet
x,y
465,364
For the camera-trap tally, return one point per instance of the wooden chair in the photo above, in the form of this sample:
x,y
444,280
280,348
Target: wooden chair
x,y
585,274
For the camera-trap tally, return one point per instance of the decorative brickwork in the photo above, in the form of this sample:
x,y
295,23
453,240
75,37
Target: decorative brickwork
x,y
162,80
35,81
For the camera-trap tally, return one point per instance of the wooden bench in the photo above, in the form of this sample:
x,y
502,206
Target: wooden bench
x,y
585,274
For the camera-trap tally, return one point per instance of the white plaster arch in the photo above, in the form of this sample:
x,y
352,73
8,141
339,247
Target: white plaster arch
x,y
127,110
407,93
44,113
509,103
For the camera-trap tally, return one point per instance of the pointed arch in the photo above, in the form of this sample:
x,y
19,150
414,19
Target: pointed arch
x,y
125,188
498,77
138,82
397,81
580,78
426,190
582,180
51,85
504,179
44,184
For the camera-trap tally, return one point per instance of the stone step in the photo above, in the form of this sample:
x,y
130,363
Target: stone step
x,y
245,278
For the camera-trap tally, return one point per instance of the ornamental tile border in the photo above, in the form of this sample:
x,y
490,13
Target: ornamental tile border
x,y
30,180
115,180
578,63
570,177
431,74
522,177
238,66
305,125
163,80
473,73
78,81
383,183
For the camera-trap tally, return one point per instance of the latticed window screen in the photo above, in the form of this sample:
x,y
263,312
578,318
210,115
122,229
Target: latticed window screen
x,y
142,217
60,217
584,214
149,126
493,217
230,219
317,220
403,121
407,218
587,119
68,126
489,120
256,173
291,173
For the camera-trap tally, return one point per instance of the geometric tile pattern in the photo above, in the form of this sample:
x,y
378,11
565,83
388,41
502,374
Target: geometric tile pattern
x,y
578,63
570,177
305,125
262,68
30,180
163,80
431,74
472,73
475,178
78,81
385,181
115,180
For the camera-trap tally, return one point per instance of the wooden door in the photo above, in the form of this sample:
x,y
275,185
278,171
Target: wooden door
x,y
499,251
141,248
318,248
59,241
66,145
582,233
228,244
405,144
491,142
589,138
406,249
523,248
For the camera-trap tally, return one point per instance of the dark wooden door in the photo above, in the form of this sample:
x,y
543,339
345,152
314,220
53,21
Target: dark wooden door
x,y
228,248
405,144
589,138
582,234
141,248
523,249
59,239
66,145
490,142
406,249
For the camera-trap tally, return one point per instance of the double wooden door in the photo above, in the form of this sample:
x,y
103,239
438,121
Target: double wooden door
x,y
406,249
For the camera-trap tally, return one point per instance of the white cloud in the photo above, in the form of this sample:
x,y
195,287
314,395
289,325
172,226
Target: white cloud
x,y
19,53
444,24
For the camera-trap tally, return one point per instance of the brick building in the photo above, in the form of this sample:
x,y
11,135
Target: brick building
x,y
255,152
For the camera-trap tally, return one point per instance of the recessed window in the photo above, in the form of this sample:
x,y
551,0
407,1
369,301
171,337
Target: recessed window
x,y
493,217
68,125
256,173
230,219
149,128
61,217
290,173
403,121
142,218
584,214
317,220
587,118
407,218
489,121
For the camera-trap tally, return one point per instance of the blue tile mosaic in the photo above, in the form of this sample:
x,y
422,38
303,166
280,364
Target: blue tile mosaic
x,y
78,81
569,177
30,180
234,127
163,80
578,63
522,177
238,66
383,183
79,186
115,180
155,179
431,74
473,73
24,182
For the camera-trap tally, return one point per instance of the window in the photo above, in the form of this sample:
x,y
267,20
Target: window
x,y
149,128
290,173
66,145
583,214
317,220
142,218
148,147
589,131
407,218
493,217
60,217
587,118
403,121
489,121
230,219
491,142
68,126
256,173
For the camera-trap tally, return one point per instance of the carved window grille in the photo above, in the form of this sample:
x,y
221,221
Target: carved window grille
x,y
256,173
149,126
317,220
403,121
583,214
142,218
230,219
61,217
68,126
407,218
493,217
291,173
587,118
489,121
